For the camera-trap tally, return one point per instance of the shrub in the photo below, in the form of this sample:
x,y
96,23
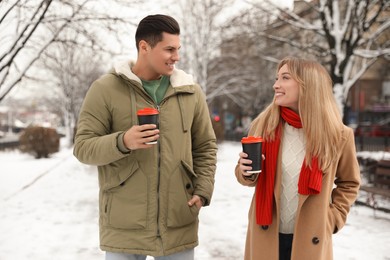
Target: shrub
x,y
39,141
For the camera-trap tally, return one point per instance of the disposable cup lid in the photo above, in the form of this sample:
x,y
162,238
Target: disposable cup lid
x,y
147,111
251,139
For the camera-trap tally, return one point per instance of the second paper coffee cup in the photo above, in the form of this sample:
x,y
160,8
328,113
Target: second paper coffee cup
x,y
148,115
252,146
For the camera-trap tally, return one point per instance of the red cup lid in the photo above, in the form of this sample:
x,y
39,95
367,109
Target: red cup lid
x,y
147,111
251,139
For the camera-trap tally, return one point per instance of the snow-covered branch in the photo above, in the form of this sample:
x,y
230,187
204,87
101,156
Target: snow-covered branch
x,y
349,29
349,81
372,54
29,28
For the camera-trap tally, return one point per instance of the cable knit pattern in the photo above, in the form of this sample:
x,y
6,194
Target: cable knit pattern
x,y
293,153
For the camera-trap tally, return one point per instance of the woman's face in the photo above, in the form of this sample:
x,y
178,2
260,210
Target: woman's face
x,y
286,89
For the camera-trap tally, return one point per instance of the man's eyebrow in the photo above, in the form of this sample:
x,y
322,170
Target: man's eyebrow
x,y
172,47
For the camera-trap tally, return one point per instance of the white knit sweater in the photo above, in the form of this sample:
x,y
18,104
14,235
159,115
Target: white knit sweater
x,y
293,153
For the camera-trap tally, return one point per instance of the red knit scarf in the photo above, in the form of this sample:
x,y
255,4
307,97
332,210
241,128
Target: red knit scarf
x,y
309,179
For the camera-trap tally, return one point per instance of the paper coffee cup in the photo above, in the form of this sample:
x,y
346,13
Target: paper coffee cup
x,y
148,115
252,146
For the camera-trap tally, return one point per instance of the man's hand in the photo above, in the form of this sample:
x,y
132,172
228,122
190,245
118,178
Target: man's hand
x,y
136,137
196,200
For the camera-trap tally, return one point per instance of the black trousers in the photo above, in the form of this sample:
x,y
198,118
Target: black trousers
x,y
285,245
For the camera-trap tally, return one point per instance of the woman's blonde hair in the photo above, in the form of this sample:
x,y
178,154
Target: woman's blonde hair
x,y
320,115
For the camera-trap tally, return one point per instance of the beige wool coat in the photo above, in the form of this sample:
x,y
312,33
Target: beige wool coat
x,y
318,216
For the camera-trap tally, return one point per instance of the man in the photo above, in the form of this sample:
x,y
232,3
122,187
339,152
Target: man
x,y
150,194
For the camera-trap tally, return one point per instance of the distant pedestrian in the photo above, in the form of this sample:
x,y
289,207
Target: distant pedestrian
x,y
310,174
150,194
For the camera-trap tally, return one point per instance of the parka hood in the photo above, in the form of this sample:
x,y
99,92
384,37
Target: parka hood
x,y
178,79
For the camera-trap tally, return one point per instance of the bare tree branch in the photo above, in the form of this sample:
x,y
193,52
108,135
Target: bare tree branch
x,y
29,28
338,31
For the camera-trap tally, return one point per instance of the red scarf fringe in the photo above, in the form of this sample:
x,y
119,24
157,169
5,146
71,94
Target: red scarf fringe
x,y
310,180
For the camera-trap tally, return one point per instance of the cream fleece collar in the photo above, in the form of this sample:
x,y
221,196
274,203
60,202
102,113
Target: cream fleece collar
x,y
178,78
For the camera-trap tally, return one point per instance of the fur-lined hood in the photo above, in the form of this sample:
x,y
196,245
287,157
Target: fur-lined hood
x,y
178,79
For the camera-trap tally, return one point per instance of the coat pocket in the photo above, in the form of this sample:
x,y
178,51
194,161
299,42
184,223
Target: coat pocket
x,y
331,225
180,191
126,201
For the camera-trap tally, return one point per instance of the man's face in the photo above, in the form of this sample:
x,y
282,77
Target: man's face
x,y
161,58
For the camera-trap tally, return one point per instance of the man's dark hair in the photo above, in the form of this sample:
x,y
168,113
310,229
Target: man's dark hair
x,y
150,29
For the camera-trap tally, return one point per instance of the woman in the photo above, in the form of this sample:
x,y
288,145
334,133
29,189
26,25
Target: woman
x,y
310,174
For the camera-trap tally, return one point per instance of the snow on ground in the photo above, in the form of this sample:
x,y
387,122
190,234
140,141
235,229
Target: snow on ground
x,y
49,211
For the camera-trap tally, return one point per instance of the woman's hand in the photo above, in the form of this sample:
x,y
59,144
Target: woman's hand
x,y
242,161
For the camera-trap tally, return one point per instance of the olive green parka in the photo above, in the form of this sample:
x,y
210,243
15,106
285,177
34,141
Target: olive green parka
x,y
144,193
